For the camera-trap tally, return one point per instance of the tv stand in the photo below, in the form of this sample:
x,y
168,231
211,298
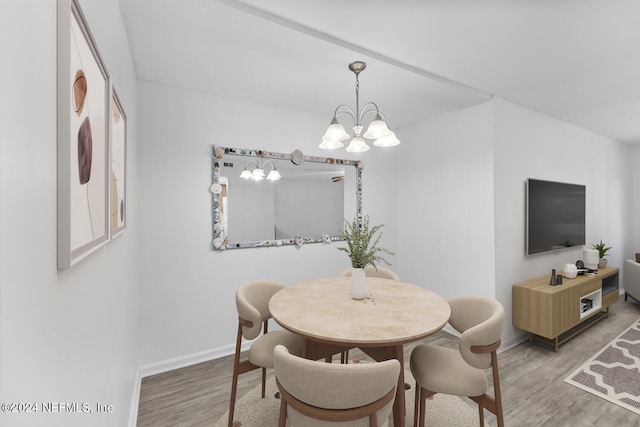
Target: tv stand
x,y
555,314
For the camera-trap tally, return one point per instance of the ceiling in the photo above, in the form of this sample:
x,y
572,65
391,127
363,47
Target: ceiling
x,y
576,60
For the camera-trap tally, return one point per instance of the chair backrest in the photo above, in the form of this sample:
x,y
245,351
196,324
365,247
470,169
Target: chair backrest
x,y
370,271
334,390
252,302
631,278
481,322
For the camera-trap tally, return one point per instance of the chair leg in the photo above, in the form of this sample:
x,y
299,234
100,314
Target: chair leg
x,y
491,404
423,406
264,381
416,403
234,379
282,420
232,402
496,388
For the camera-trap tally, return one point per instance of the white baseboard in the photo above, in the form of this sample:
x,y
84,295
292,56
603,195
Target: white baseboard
x,y
207,355
513,341
135,400
187,360
505,345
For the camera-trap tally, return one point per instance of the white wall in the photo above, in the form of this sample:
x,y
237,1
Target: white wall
x,y
531,145
461,198
633,245
188,311
445,203
66,336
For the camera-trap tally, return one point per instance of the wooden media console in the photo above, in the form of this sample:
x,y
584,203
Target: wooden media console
x,y
555,314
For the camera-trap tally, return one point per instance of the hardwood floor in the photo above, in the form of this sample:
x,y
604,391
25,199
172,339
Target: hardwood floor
x,y
531,375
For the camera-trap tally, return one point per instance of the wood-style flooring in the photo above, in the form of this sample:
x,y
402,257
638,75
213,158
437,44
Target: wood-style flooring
x,y
532,380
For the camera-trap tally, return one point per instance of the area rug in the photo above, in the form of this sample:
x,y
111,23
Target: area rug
x,y
614,373
442,411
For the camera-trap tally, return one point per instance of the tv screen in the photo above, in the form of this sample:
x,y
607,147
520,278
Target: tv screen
x,y
555,214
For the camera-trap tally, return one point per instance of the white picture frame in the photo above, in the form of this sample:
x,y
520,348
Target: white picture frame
x,y
118,188
83,139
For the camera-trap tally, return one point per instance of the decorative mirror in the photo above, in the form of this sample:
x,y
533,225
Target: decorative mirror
x,y
262,198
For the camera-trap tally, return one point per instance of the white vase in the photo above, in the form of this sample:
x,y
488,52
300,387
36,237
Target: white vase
x,y
358,283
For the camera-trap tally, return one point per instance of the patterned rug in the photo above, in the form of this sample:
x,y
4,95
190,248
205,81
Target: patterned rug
x,y
614,373
442,411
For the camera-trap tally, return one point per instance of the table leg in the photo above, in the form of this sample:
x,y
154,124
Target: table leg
x,y
315,350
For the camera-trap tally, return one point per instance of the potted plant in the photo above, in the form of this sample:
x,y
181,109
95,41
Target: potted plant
x,y
602,249
363,250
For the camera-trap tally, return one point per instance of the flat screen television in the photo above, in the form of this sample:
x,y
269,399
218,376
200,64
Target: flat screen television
x,y
555,215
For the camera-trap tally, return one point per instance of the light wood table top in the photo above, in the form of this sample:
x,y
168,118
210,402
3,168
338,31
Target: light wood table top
x,y
392,313
329,320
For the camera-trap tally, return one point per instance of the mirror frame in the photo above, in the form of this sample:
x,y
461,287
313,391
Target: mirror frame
x,y
220,240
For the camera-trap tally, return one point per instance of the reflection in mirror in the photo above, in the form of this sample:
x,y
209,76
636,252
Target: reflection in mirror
x,y
271,199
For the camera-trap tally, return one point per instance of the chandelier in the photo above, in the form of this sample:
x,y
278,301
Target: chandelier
x,y
257,174
377,130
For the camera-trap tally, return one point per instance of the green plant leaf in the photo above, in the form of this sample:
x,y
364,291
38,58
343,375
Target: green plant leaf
x,y
601,248
362,243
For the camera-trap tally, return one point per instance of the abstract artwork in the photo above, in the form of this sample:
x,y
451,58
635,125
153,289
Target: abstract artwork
x,y
83,91
118,216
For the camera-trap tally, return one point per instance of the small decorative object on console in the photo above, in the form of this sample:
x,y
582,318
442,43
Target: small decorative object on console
x,y
570,271
590,258
586,304
602,249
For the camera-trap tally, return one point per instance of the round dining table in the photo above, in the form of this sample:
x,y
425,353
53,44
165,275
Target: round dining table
x,y
392,314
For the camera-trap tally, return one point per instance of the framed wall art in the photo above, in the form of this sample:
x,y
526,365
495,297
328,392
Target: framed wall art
x,y
118,216
83,155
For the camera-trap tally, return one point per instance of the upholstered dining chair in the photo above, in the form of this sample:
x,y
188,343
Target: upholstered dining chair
x,y
315,393
252,302
460,371
370,271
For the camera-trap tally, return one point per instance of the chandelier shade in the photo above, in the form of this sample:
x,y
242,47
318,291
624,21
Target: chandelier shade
x,y
257,174
358,145
387,141
378,130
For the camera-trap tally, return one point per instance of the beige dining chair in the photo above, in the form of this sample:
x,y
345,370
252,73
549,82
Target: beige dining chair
x,y
460,371
315,393
252,302
371,271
